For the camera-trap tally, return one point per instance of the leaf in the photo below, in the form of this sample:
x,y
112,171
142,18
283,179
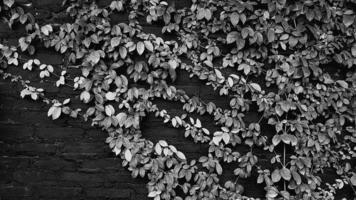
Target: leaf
x,y
46,29
256,86
218,74
270,35
353,51
272,192
285,194
230,82
276,140
173,63
217,137
218,168
285,173
234,18
109,110
56,112
245,67
23,44
110,96
296,177
140,48
198,124
348,20
231,37
85,96
9,3
148,45
94,57
66,101
128,155
154,193
163,143
201,13
121,117
216,140
226,138
353,180
181,155
116,5
276,176
286,138
116,150
284,37
158,149
50,110
207,14
343,84
123,52
115,42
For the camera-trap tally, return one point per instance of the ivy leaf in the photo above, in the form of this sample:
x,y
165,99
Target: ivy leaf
x,y
23,44
207,14
353,51
348,20
109,110
173,63
245,67
148,45
256,86
116,5
140,48
201,13
285,194
181,155
226,137
121,117
296,177
128,155
286,138
66,101
270,35
110,96
115,42
55,112
116,150
343,84
154,193
94,57
158,149
276,176
230,81
353,180
198,124
163,143
276,140
231,37
46,29
217,138
9,3
123,52
272,192
285,173
85,96
234,18
284,37
218,168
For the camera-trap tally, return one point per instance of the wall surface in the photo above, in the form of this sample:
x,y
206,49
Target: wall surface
x,y
67,158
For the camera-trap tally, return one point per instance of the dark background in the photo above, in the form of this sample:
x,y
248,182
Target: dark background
x,y
67,158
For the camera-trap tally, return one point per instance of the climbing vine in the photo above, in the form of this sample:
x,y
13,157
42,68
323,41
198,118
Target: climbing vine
x,y
292,62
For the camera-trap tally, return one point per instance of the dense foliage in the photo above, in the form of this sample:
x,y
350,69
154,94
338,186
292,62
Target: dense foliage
x,y
293,62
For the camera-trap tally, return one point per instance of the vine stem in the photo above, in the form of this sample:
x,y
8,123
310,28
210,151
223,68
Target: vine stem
x,y
284,164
